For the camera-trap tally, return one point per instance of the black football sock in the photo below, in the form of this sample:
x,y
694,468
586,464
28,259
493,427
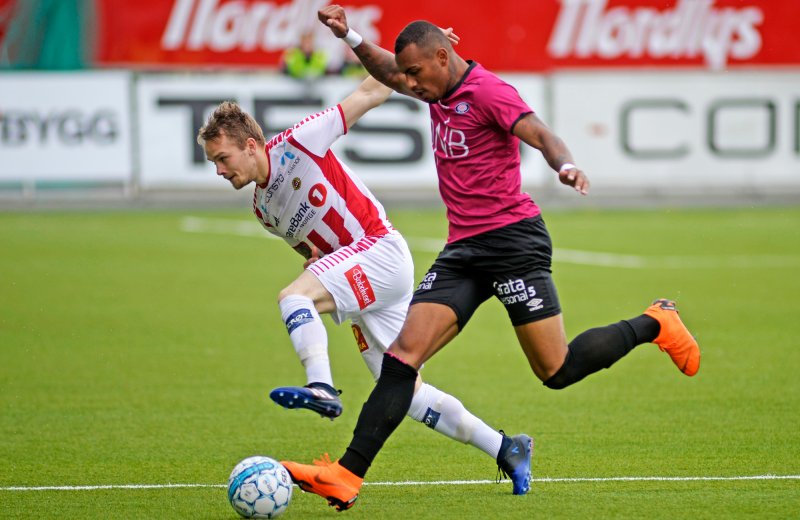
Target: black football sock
x,y
645,328
601,347
385,408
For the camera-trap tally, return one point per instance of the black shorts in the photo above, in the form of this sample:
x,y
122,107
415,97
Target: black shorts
x,y
511,263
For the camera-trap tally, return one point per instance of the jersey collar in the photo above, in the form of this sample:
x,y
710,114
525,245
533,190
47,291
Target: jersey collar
x,y
472,65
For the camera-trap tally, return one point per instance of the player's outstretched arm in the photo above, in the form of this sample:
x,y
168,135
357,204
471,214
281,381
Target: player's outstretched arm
x,y
535,133
367,96
378,62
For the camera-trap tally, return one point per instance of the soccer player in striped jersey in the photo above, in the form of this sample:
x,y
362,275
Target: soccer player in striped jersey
x,y
358,266
497,246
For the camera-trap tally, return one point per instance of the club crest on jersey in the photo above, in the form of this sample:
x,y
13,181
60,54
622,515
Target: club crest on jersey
x,y
296,183
462,108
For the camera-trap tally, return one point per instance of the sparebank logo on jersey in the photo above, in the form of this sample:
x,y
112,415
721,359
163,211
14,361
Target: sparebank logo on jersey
x,y
361,287
297,318
515,291
427,282
300,219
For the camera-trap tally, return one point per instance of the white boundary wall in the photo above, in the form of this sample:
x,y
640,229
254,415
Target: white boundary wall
x,y
65,127
389,148
682,131
639,132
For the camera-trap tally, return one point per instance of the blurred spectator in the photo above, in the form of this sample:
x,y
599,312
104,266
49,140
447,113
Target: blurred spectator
x,y
305,61
351,66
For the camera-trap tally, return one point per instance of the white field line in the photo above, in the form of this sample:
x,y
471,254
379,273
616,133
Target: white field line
x,y
543,480
567,256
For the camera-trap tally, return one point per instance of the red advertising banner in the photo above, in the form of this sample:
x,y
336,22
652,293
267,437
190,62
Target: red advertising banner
x,y
6,13
504,35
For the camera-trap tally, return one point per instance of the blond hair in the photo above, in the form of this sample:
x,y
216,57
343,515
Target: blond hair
x,y
229,119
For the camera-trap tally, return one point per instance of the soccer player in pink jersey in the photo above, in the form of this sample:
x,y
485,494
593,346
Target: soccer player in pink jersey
x,y
497,246
358,266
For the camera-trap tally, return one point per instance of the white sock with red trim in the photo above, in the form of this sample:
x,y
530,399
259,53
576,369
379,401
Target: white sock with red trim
x,y
309,337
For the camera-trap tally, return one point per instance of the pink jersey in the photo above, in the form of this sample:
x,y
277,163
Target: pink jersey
x,y
477,156
310,197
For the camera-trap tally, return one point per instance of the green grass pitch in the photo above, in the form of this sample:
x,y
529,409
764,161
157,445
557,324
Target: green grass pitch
x,y
139,348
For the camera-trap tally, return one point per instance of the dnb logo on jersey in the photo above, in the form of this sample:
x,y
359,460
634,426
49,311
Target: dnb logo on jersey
x,y
361,287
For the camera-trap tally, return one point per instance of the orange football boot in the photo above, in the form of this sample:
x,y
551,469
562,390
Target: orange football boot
x,y
674,338
327,479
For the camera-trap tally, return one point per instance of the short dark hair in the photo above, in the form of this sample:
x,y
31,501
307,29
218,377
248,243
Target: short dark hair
x,y
422,33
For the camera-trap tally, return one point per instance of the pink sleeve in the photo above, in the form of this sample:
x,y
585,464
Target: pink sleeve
x,y
503,105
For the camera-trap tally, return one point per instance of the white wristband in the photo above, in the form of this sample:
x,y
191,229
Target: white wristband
x,y
566,166
352,38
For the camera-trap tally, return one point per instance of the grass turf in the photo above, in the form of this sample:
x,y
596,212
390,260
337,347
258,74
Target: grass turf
x,y
134,352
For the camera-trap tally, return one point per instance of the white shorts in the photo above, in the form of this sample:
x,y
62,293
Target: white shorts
x,y
371,282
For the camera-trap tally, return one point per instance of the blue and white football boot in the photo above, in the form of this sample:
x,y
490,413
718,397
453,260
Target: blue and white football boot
x,y
514,461
317,397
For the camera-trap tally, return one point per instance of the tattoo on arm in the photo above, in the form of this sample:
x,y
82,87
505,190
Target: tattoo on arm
x,y
381,65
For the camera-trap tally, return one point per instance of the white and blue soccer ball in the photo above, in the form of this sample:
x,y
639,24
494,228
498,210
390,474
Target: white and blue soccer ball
x,y
260,487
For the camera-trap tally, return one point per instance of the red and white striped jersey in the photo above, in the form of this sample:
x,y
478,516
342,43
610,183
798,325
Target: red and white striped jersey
x,y
310,197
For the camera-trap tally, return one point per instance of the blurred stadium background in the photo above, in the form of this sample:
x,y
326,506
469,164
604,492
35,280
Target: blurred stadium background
x,y
662,101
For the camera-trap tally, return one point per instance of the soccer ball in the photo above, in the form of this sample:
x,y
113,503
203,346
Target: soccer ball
x,y
259,487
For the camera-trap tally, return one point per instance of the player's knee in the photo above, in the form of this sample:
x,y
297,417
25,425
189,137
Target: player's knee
x,y
557,382
405,351
566,375
291,290
283,294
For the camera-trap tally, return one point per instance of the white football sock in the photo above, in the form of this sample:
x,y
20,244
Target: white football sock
x,y
309,337
445,414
